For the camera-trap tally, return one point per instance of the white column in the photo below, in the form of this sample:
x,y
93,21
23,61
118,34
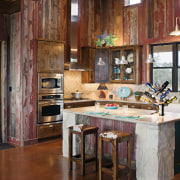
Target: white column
x,y
155,151
69,119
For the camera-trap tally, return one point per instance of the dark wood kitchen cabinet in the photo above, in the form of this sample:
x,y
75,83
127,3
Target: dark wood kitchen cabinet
x,y
126,73
49,130
112,71
78,104
90,57
102,71
50,56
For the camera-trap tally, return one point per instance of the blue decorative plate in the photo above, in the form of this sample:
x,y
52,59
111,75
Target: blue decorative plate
x,y
111,107
123,92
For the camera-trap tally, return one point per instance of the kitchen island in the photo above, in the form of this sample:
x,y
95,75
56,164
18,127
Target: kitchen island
x,y
153,136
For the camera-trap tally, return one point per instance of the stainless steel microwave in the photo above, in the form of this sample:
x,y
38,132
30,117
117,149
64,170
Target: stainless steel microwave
x,y
50,83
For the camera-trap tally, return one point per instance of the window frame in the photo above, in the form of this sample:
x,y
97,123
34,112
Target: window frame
x,y
134,5
174,67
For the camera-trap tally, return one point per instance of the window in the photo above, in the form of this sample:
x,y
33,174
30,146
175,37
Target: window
x,y
166,65
131,2
74,9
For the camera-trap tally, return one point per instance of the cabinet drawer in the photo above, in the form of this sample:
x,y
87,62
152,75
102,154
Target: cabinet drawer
x,y
148,106
78,104
50,130
137,106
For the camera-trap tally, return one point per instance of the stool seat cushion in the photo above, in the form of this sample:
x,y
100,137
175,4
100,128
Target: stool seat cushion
x,y
114,134
83,127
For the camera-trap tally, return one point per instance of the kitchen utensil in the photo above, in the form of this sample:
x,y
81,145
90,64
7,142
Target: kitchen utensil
x,y
77,94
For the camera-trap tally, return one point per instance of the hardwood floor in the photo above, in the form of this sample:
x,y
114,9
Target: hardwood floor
x,y
44,161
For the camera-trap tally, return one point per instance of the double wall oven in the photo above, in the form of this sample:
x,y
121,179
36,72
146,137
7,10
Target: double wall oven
x,y
50,104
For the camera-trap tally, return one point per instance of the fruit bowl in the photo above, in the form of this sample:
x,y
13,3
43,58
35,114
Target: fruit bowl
x,y
111,106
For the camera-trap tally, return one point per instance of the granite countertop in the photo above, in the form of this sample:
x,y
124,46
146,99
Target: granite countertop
x,y
77,100
103,100
134,115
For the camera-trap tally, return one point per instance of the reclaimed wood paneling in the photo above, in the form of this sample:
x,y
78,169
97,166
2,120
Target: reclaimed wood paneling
x,y
4,90
38,20
107,125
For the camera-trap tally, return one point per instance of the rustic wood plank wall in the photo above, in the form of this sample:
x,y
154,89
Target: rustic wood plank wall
x,y
4,90
47,19
43,19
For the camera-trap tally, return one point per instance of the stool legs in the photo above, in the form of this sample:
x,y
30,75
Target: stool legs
x,y
129,157
95,149
100,157
82,154
115,159
70,150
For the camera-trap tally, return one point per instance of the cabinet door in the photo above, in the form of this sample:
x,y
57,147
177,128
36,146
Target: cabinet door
x,y
115,66
129,70
126,73
50,56
102,71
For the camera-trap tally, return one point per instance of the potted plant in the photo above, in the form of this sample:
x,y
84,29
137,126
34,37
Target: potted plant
x,y
138,95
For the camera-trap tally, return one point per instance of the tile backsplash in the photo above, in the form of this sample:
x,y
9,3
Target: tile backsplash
x,y
72,82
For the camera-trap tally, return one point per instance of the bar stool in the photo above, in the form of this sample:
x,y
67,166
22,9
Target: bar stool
x,y
114,137
82,130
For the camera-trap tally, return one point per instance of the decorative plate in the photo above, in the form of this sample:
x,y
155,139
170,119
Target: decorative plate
x,y
128,70
111,107
130,58
123,92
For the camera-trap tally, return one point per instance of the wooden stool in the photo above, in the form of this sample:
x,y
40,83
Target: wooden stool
x,y
114,137
82,130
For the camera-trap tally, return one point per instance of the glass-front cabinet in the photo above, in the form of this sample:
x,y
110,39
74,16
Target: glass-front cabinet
x,y
125,73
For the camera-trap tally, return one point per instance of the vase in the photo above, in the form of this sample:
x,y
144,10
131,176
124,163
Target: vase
x,y
137,97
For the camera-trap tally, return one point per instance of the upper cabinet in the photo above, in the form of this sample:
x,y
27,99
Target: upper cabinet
x,y
126,73
102,70
112,71
50,56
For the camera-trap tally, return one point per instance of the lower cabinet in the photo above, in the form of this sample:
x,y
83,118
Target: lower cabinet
x,y
49,130
78,104
130,105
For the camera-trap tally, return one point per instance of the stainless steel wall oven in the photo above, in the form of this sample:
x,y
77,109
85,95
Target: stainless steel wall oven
x,y
50,104
50,108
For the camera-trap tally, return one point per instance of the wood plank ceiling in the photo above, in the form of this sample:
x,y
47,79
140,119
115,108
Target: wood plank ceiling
x,y
9,6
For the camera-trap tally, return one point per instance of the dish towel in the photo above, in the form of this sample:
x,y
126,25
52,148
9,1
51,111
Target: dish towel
x,y
98,113
129,117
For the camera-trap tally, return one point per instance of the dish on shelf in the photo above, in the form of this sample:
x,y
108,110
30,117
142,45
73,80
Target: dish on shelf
x,y
130,58
128,70
123,92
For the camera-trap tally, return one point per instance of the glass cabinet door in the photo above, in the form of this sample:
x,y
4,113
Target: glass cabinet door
x,y
115,65
129,69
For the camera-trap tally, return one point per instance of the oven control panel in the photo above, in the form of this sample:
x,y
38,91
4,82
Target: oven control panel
x,y
51,97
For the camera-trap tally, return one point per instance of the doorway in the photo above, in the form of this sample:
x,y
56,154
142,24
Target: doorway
x,y
0,101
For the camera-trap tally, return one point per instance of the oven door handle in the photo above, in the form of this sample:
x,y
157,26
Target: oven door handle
x,y
50,103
